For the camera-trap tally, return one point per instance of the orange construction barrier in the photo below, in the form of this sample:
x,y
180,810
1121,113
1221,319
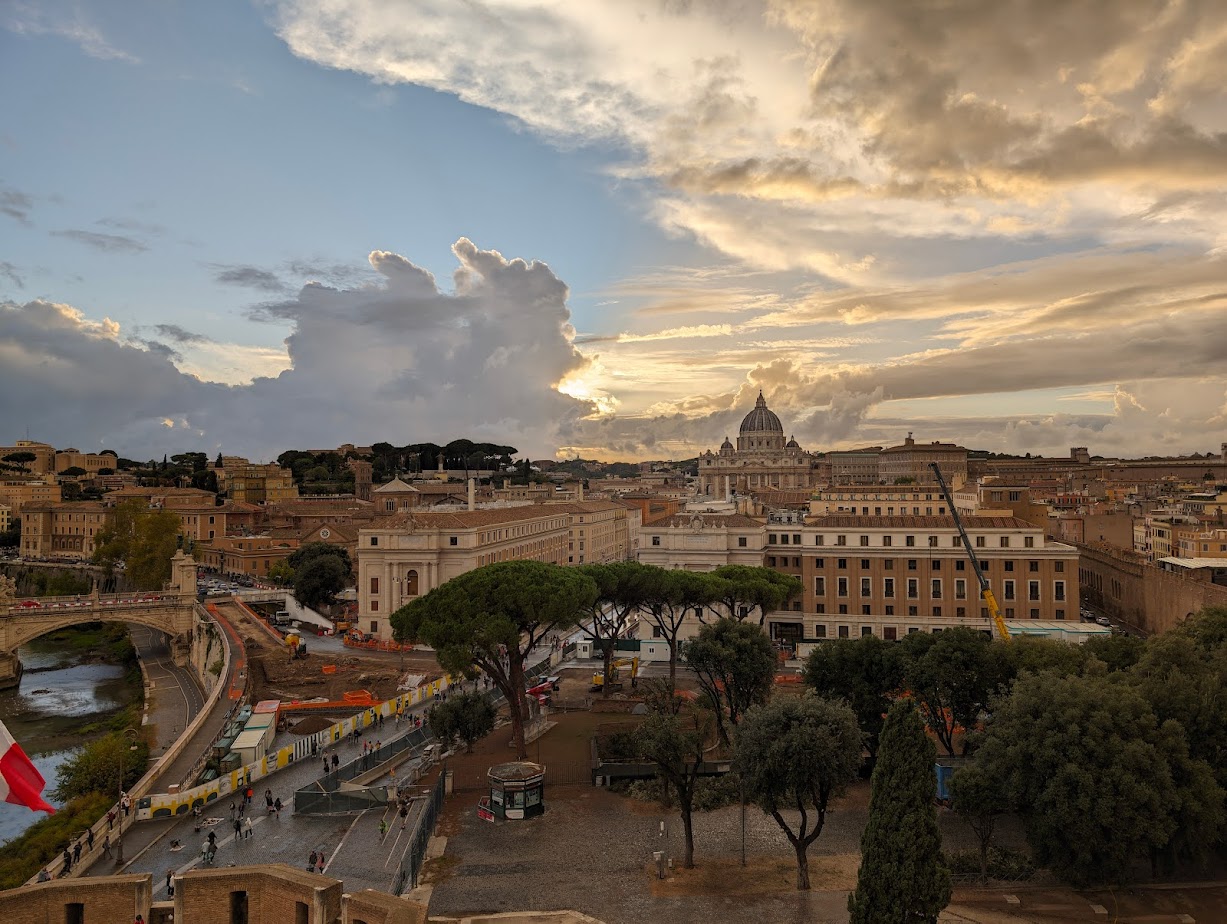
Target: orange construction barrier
x,y
328,669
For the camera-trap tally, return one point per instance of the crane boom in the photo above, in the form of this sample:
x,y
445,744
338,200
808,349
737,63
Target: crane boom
x,y
986,592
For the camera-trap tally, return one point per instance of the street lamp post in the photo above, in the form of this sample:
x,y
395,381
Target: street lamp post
x,y
130,735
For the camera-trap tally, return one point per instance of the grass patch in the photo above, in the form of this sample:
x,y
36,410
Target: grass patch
x,y
45,840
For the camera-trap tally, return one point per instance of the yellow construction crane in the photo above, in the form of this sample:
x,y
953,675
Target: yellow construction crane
x,y
986,592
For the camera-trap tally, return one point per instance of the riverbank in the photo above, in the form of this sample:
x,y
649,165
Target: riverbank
x,y
81,685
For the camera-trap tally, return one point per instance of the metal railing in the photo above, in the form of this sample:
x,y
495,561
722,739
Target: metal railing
x,y
411,863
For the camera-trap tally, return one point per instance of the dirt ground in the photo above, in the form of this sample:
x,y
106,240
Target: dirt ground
x,y
592,852
275,676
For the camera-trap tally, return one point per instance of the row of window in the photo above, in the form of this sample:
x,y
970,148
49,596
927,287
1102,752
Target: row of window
x,y
912,586
887,541
935,611
913,564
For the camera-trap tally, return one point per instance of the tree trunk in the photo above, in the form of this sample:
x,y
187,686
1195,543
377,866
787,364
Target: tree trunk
x,y
802,865
515,706
608,648
688,831
673,666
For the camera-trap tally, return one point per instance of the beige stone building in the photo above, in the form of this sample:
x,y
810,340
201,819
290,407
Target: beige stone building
x,y
18,492
911,460
6,518
761,459
44,456
91,462
599,531
252,555
853,466
887,500
889,576
409,554
61,530
702,541
246,483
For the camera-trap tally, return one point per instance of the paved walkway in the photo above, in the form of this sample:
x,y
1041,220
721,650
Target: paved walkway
x,y
173,698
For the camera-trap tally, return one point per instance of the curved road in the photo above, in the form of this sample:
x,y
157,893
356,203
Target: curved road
x,y
175,699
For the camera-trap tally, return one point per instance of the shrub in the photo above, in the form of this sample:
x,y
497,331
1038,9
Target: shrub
x,y
1007,865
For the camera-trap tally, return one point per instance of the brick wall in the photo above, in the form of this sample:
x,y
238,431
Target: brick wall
x,y
370,907
274,894
109,900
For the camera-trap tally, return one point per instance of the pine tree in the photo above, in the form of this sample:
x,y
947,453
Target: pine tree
x,y
902,878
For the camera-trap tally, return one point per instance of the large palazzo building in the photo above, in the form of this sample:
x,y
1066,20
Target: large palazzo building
x,y
762,459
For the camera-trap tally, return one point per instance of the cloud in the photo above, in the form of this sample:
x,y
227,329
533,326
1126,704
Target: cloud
x,y
64,22
10,272
133,224
398,360
249,277
15,205
108,243
179,335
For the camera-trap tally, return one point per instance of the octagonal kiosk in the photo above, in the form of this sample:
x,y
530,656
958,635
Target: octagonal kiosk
x,y
517,790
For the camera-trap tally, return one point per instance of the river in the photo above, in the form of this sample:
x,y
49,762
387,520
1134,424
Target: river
x,y
58,694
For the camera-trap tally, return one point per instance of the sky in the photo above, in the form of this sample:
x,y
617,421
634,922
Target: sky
x,y
600,227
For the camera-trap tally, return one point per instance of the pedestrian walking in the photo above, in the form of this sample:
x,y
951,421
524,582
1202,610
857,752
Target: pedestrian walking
x,y
67,863
319,862
336,761
76,852
106,846
404,816
383,828
311,862
277,806
325,766
268,798
238,828
232,809
242,809
250,792
111,820
170,883
247,828
396,719
89,838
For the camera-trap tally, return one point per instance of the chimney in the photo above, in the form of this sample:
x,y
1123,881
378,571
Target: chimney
x,y
472,494
506,483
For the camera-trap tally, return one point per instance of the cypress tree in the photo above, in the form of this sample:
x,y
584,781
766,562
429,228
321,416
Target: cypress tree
x,y
902,879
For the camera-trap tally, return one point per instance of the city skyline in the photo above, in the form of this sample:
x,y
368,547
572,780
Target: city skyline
x,y
601,228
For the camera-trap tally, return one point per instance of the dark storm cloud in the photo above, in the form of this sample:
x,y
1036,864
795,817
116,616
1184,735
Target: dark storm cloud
x,y
250,277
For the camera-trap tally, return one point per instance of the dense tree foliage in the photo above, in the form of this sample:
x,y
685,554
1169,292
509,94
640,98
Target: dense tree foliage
x,y
467,716
1099,782
492,617
865,673
952,676
622,588
734,663
96,767
144,538
305,553
745,592
796,754
671,596
980,799
902,876
318,580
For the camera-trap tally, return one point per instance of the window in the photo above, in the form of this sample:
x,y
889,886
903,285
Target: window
x,y
1059,566
886,542
74,913
1009,612
960,611
374,541
937,611
911,564
909,541
980,542
841,540
820,587
1058,591
741,542
936,589
784,539
301,913
819,540
1009,590
772,539
960,565
889,564
1033,566
1033,590
864,540
796,538
866,630
890,609
865,591
1005,542
843,609
374,585
843,631
864,564
453,540
1009,566
888,587
932,542
841,563
374,606
960,589
821,608
820,562
935,564
820,631
770,561
912,611
865,610
656,633
374,625
913,588
841,588
1060,614
1028,542
1035,613
238,907
656,540
955,542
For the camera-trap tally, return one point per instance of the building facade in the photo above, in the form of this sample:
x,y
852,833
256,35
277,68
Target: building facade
x,y
878,500
61,530
912,461
17,493
762,458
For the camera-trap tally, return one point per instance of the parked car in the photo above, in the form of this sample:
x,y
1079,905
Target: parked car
x,y
1103,620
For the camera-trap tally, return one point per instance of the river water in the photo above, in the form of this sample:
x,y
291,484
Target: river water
x,y
58,695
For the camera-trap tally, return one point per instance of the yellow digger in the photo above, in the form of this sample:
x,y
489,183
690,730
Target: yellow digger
x,y
615,669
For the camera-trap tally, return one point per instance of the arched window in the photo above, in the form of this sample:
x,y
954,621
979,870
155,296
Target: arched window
x,y
411,582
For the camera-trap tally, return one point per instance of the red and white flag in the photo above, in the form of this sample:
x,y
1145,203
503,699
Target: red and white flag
x,y
20,781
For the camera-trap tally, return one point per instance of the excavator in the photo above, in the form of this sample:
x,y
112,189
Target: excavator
x,y
615,669
986,592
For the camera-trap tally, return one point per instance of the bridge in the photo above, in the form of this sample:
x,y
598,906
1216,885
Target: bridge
x,y
170,610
